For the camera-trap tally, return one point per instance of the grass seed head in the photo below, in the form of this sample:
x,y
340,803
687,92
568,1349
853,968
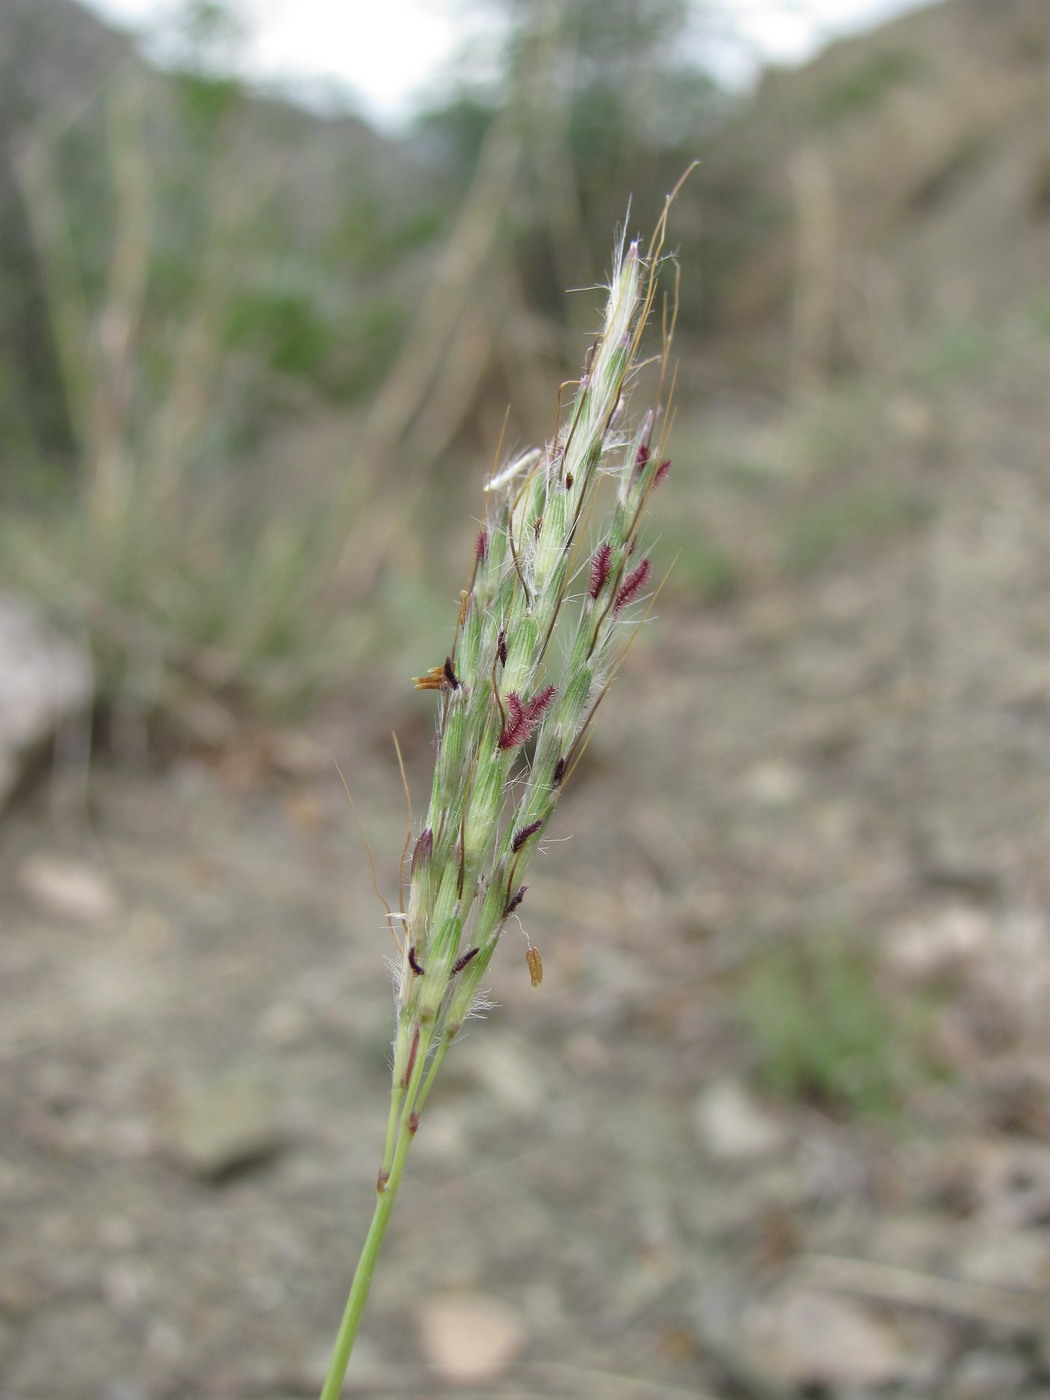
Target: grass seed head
x,y
540,634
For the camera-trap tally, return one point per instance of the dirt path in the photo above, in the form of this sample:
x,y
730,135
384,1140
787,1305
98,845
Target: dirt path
x,y
843,780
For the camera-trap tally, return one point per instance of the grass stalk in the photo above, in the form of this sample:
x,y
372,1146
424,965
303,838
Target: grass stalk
x,y
362,1281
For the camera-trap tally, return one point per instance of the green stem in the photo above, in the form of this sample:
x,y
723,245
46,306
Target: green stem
x,y
355,1303
432,1069
406,1097
397,1099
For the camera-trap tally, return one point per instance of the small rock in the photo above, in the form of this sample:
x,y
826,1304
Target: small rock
x,y
72,889
1015,1095
1012,1183
913,1240
298,754
45,681
774,784
808,1338
305,811
508,1069
223,1124
1006,1258
125,1285
469,1337
986,1375
731,1126
922,950
286,1024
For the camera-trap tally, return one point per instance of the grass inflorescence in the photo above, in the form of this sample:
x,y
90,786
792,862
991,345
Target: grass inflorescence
x,y
550,607
557,589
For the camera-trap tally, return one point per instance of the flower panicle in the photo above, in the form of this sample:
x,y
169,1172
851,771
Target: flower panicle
x,y
556,568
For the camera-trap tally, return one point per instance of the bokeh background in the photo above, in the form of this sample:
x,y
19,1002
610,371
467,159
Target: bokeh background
x,y
777,1123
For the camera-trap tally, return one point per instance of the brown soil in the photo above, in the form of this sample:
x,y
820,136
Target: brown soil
x,y
858,752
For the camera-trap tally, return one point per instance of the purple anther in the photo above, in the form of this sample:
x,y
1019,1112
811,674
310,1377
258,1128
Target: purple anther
x,y
632,585
523,834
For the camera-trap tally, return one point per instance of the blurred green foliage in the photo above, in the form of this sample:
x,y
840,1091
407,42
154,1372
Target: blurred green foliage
x,y
829,525
201,47
290,257
610,101
1039,314
703,570
956,350
294,261
825,1029
33,419
606,98
288,325
865,85
192,281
